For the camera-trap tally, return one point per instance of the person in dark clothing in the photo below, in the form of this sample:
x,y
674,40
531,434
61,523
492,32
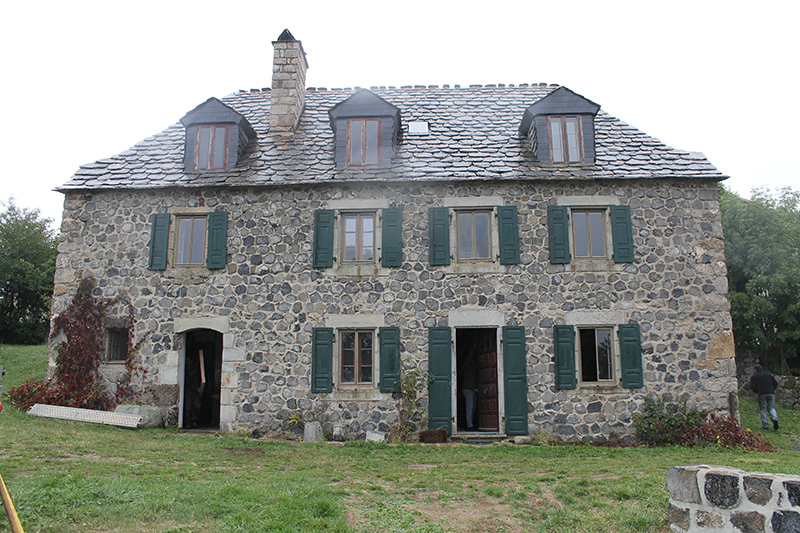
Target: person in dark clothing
x,y
764,384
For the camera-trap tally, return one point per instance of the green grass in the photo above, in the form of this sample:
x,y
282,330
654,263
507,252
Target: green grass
x,y
74,477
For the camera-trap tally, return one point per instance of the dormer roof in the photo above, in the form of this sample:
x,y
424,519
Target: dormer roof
x,y
562,101
364,103
213,111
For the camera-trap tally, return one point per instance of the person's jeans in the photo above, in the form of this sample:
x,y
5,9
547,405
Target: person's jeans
x,y
766,404
470,395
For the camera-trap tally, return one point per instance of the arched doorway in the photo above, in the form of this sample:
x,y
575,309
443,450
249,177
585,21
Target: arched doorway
x,y
202,382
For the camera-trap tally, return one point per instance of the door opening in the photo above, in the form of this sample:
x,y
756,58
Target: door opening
x,y
202,381
476,379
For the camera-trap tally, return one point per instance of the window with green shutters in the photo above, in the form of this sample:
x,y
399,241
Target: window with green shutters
x,y
478,239
356,233
577,233
596,356
198,240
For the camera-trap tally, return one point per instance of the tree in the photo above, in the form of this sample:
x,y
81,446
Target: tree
x,y
762,250
27,264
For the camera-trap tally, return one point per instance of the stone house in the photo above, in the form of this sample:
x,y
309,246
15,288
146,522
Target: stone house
x,y
316,243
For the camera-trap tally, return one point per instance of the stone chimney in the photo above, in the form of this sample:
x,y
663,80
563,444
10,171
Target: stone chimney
x,y
288,96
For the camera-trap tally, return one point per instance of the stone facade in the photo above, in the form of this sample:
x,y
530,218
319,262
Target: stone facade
x,y
717,498
267,300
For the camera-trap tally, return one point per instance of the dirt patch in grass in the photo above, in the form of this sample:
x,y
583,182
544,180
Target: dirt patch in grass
x,y
479,514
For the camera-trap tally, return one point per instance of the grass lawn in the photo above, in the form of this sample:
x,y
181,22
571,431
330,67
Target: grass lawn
x,y
76,477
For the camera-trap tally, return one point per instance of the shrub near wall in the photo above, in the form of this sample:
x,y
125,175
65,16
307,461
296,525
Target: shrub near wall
x,y
712,499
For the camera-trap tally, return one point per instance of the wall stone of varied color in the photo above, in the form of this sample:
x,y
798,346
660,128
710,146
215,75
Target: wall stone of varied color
x,y
711,499
269,297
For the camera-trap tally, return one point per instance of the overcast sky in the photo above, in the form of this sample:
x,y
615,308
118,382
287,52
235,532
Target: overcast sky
x,y
86,80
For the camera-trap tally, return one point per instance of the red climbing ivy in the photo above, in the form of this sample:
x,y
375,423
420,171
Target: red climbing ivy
x,y
77,381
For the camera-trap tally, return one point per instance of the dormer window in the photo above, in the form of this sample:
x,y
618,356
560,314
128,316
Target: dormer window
x,y
363,141
211,147
565,139
216,137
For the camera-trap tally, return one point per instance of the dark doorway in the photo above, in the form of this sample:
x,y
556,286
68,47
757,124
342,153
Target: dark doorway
x,y
476,363
201,388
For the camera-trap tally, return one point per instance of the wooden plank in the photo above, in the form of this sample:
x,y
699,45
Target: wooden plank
x,y
85,415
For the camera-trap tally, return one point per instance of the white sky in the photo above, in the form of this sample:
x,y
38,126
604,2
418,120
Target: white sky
x,y
85,80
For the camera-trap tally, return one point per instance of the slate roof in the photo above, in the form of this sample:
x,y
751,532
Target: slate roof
x,y
473,136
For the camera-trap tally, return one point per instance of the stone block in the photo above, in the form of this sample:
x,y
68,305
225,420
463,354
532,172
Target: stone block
x,y
785,522
376,436
431,436
522,439
682,484
709,519
338,432
751,522
680,517
313,432
793,492
151,415
722,490
758,489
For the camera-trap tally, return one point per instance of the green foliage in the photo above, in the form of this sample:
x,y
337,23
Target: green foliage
x,y
27,263
762,251
725,432
410,409
662,424
77,381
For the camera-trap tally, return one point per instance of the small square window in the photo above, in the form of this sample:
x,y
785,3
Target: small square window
x,y
596,357
474,235
117,350
588,231
211,148
363,142
417,127
565,139
356,352
358,237
190,245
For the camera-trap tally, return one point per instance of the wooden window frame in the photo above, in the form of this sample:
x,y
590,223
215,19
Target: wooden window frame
x,y
361,215
604,232
565,140
192,244
611,380
489,230
117,345
358,365
212,144
362,162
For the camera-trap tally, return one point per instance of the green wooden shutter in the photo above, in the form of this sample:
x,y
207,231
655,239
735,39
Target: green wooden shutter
x,y
322,360
159,241
565,357
392,237
323,238
390,359
622,233
439,221
508,233
439,368
558,222
630,344
516,380
217,251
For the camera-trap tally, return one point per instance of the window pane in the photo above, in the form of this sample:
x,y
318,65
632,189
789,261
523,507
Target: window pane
x,y
348,340
347,375
482,247
219,147
350,236
198,240
604,354
580,231
366,374
372,142
555,140
465,250
572,139
184,241
348,357
367,237
588,355
203,147
365,344
596,230
355,142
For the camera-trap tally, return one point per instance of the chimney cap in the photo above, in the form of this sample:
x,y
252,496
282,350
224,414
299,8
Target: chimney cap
x,y
286,36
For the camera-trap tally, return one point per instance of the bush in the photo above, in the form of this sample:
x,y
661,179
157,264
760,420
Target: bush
x,y
726,432
663,424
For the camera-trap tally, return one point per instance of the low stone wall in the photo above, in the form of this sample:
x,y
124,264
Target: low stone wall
x,y
713,499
